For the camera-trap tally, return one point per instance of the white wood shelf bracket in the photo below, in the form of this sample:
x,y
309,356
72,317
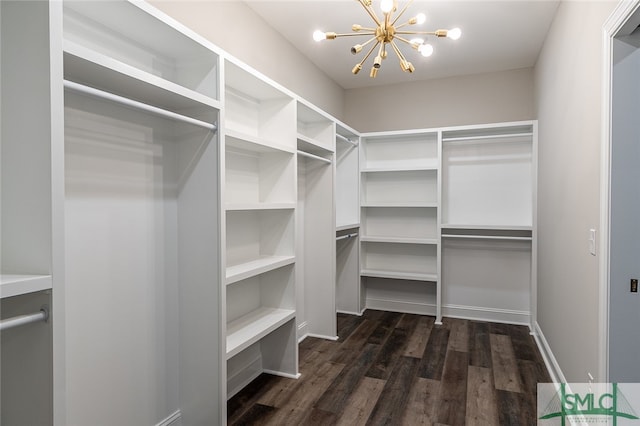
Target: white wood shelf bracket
x,y
42,315
81,88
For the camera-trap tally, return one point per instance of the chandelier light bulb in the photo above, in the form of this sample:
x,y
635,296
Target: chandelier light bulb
x,y
319,35
356,49
426,50
386,6
454,33
421,18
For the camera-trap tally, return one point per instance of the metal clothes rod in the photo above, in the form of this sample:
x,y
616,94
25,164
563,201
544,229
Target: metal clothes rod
x,y
315,157
486,137
346,139
8,323
486,237
77,87
344,237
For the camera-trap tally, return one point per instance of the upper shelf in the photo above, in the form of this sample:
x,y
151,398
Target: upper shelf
x,y
137,35
96,70
16,285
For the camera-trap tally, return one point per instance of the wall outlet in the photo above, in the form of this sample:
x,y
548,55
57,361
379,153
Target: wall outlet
x,y
634,285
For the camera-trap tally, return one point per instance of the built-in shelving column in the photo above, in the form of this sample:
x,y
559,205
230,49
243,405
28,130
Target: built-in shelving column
x,y
315,267
142,327
399,238
349,295
29,37
259,228
488,217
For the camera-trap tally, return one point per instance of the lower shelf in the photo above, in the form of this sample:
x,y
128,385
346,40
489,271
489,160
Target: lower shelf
x,y
16,285
257,266
415,276
252,327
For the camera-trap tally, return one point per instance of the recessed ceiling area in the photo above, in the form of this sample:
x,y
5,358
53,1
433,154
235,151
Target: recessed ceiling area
x,y
496,36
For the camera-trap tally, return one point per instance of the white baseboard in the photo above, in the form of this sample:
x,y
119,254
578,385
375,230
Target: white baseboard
x,y
174,419
401,306
281,374
322,336
547,355
478,313
340,311
244,376
303,331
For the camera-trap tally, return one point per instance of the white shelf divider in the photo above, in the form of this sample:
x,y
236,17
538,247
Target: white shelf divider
x,y
398,169
16,285
393,204
255,267
259,206
253,326
257,143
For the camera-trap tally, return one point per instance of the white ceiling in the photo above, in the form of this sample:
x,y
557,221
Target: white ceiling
x,y
496,35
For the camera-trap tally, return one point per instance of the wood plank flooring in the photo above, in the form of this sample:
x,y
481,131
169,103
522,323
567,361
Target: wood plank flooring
x,y
400,369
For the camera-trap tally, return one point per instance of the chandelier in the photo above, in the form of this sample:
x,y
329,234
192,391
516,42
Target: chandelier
x,y
385,33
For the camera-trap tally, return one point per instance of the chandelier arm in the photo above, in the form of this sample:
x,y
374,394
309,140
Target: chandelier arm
x,y
370,12
397,37
416,32
401,12
368,41
398,52
369,53
354,35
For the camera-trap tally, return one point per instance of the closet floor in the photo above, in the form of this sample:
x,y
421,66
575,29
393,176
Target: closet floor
x,y
393,368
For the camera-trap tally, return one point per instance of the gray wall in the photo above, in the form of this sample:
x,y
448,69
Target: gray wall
x,y
234,27
473,99
625,210
568,85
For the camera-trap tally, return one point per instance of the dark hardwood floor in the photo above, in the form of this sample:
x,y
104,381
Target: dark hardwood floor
x,y
400,369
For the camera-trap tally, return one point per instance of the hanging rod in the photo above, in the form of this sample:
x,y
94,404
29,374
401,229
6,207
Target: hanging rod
x,y
346,139
19,320
77,87
315,157
344,237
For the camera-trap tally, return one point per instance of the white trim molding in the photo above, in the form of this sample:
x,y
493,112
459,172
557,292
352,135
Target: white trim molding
x,y
175,419
618,21
547,355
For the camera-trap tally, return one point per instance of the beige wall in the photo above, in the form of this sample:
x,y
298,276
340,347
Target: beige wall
x,y
568,84
474,99
234,27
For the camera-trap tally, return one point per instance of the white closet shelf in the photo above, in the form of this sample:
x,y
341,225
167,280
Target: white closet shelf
x,y
489,227
313,146
432,205
400,169
401,240
252,327
487,237
255,267
97,70
489,138
253,143
16,285
348,226
259,206
416,276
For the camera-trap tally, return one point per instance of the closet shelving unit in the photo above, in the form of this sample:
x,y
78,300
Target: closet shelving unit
x,y
259,152
400,248
28,138
315,223
141,108
488,221
349,294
